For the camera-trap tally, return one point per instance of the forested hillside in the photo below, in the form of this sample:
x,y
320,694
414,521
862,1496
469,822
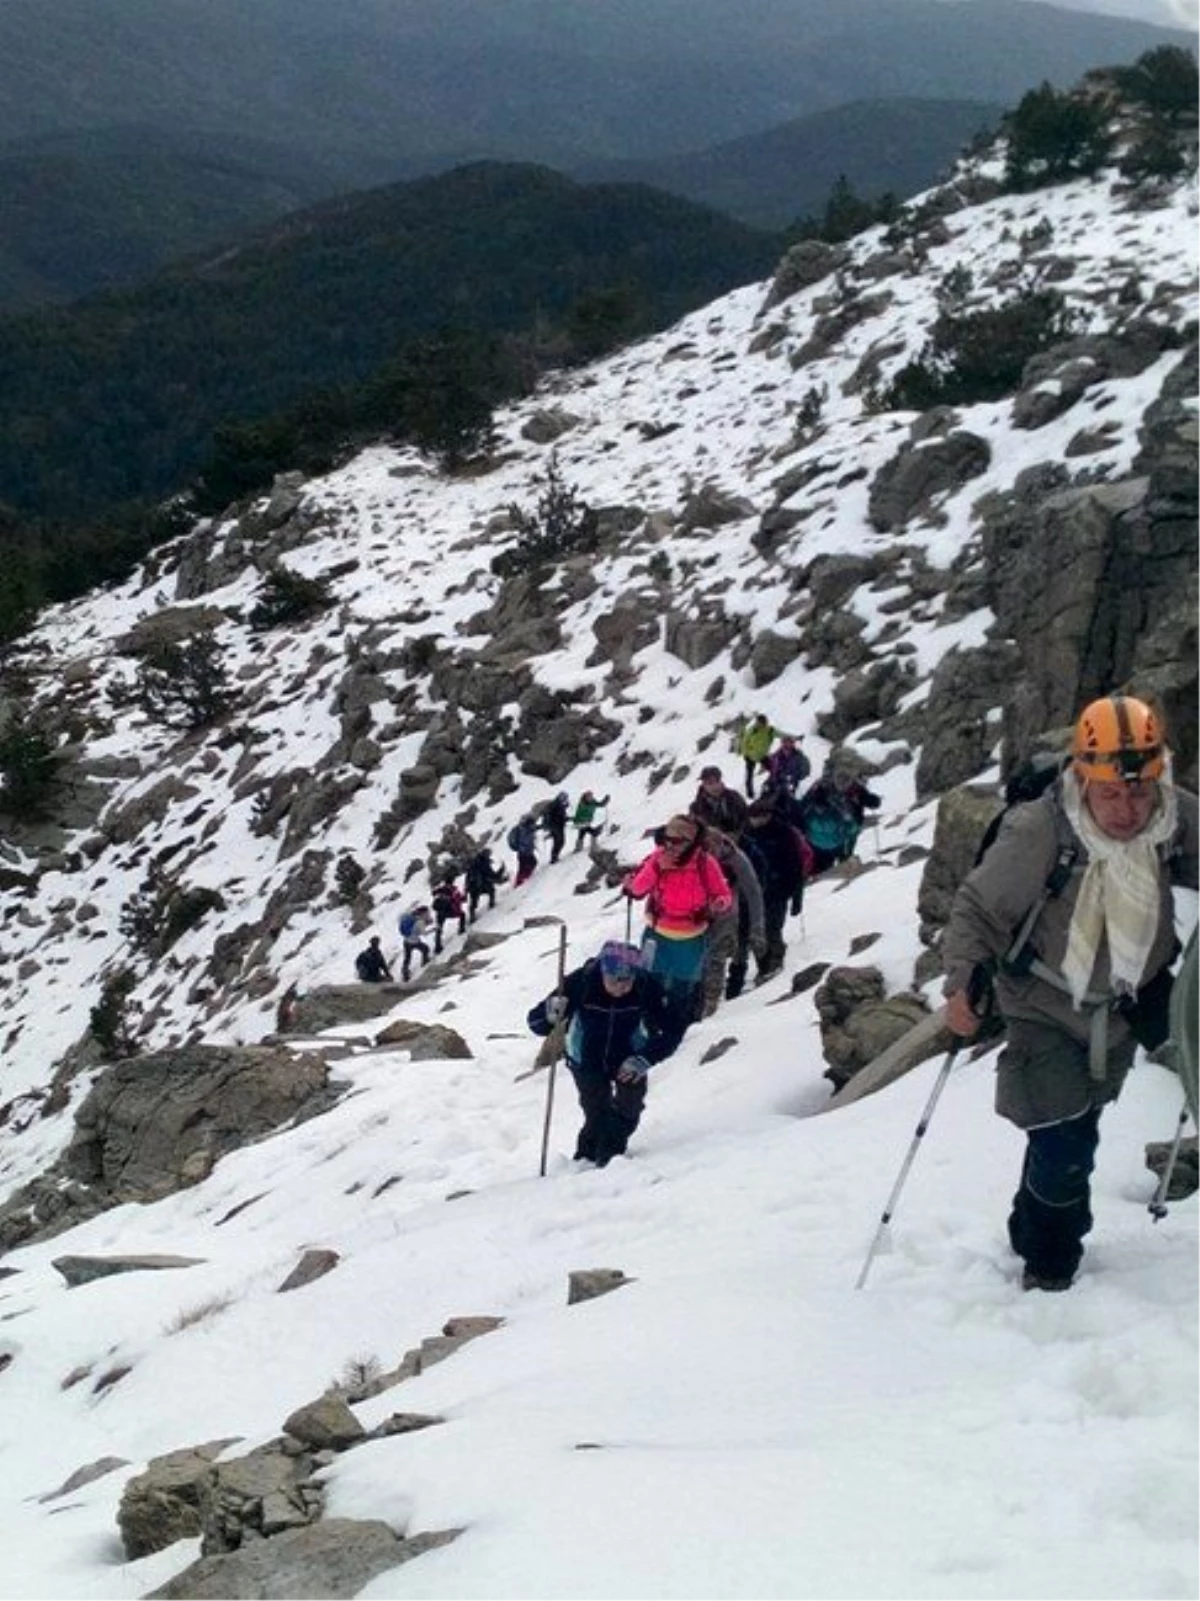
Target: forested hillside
x,y
117,398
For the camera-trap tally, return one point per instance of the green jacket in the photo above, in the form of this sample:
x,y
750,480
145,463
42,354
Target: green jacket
x,y
585,811
756,741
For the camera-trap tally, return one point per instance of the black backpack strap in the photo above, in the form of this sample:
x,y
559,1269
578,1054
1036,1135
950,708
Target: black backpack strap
x,y
1020,955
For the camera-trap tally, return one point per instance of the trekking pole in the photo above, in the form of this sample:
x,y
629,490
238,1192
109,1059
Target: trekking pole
x,y
926,1119
559,992
1158,1206
628,920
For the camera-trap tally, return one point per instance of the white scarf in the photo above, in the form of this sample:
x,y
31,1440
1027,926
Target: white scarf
x,y
1119,895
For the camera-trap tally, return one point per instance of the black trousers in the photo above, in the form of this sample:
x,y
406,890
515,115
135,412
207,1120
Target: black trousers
x,y
442,919
475,896
1051,1211
611,1112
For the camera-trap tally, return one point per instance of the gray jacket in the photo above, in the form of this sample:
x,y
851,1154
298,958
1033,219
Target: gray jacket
x,y
739,870
991,904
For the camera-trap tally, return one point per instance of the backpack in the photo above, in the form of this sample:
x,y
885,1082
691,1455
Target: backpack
x,y
1027,782
363,967
408,925
829,830
512,838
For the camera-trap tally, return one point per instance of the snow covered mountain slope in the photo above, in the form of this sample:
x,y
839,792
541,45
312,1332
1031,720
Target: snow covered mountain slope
x,y
752,1417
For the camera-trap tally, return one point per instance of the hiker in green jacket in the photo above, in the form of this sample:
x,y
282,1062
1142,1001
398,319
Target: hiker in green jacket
x,y
584,820
753,747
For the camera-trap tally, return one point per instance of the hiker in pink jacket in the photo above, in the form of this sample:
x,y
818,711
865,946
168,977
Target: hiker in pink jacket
x,y
685,891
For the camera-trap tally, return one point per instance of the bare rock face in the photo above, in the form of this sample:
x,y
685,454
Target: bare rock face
x,y
804,264
913,480
156,1124
586,1283
162,1504
959,734
963,814
426,1042
332,1559
699,639
140,1130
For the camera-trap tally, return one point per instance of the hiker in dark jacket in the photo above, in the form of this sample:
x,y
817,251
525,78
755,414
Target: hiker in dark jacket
x,y
554,821
787,766
774,848
482,877
717,806
448,907
371,964
618,1026
1070,914
522,839
831,815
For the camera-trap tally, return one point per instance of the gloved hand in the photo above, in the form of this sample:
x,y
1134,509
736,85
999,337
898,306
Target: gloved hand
x,y
555,1009
633,1069
797,905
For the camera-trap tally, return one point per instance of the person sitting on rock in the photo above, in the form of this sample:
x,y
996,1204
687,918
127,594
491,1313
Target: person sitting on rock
x,y
371,964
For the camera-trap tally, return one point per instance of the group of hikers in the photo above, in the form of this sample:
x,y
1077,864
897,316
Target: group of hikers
x,y
1066,925
422,928
717,887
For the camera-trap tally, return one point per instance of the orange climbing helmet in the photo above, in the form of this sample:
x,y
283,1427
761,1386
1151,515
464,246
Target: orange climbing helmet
x,y
1118,739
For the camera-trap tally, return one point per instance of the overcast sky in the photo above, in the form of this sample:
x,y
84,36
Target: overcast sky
x,y
1167,13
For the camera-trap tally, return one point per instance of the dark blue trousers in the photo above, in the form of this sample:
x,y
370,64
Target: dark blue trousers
x,y
1051,1211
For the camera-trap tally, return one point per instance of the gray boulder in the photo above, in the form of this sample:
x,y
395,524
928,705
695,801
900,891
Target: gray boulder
x,y
859,1021
963,815
323,1561
162,1504
804,264
921,473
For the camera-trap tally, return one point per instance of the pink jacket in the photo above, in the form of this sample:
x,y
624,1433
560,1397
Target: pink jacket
x,y
681,900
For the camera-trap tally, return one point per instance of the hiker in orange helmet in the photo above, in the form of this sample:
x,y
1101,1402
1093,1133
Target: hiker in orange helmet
x,y
1069,916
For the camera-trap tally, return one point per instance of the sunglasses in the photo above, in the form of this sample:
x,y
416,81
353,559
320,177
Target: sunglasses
x,y
677,839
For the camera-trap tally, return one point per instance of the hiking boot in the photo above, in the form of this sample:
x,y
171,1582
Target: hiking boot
x,y
1046,1281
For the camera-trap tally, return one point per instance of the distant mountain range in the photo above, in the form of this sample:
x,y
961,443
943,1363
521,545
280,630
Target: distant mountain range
x,y
133,133
388,82
95,209
107,208
773,178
